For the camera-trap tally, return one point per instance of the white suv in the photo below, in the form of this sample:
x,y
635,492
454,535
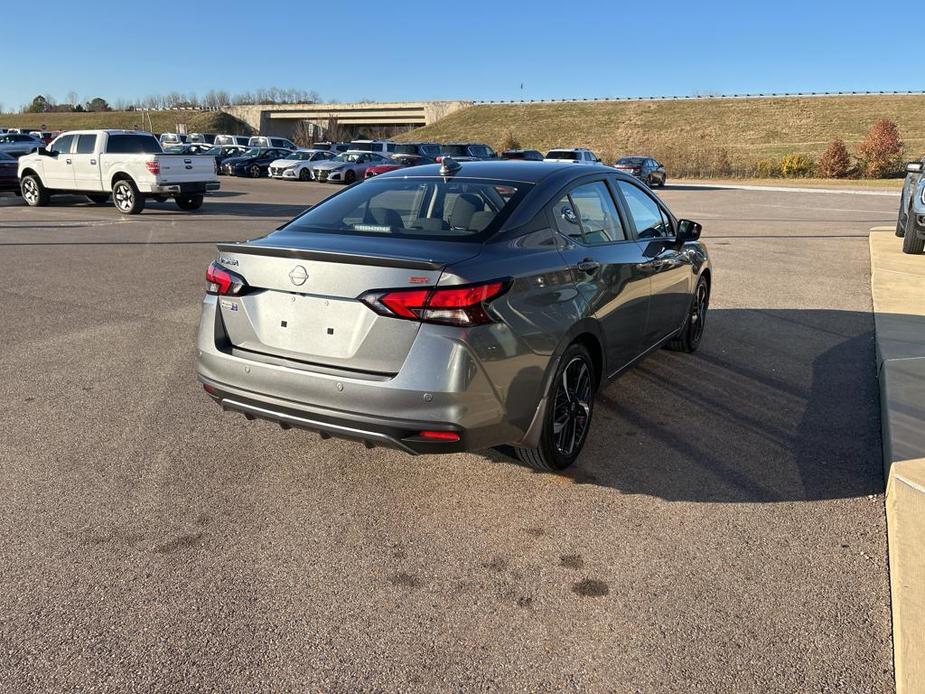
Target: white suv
x,y
576,155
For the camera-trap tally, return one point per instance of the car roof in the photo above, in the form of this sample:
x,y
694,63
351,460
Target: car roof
x,y
520,171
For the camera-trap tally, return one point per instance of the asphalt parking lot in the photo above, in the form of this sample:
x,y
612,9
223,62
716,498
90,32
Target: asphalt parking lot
x,y
723,531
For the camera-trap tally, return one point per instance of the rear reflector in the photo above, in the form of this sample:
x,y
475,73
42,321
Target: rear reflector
x,y
439,435
463,306
209,389
153,166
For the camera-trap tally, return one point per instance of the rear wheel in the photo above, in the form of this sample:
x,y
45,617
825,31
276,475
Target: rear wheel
x,y
189,202
688,340
350,177
568,413
126,197
98,199
33,191
305,175
912,244
254,171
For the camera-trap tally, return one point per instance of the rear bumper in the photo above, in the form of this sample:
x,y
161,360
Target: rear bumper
x,y
192,188
485,391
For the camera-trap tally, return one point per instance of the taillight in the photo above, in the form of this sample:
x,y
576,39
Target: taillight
x,y
224,282
153,167
462,306
438,158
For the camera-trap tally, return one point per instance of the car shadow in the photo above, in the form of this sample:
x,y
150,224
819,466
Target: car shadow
x,y
777,405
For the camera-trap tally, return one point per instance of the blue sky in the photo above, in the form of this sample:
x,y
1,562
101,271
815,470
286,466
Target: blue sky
x,y
446,50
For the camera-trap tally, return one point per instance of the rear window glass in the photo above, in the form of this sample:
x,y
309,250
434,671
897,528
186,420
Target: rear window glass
x,y
454,210
86,144
133,144
631,161
563,154
364,146
406,149
455,150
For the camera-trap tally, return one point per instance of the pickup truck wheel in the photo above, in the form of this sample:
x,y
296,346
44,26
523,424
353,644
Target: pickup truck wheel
x,y
98,199
305,175
33,192
254,171
126,197
189,202
912,244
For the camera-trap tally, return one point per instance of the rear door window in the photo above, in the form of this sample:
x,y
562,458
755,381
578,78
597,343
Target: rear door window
x,y
86,144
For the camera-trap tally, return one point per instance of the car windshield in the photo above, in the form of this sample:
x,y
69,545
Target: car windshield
x,y
253,152
452,209
212,151
299,156
349,157
562,154
631,161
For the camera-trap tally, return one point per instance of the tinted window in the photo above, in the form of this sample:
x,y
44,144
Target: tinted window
x,y
455,210
133,144
405,149
589,215
455,150
630,161
364,146
6,157
648,217
563,154
86,144
62,145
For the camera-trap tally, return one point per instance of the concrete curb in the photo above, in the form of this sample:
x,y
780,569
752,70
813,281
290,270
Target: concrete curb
x,y
898,290
787,189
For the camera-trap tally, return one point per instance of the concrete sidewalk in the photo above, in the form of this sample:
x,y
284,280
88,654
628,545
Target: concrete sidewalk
x,y
898,288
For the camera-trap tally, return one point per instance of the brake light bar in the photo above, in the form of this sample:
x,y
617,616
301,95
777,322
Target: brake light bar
x,y
223,282
153,167
463,306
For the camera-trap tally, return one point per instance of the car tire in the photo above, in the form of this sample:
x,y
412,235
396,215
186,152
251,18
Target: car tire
x,y
254,171
912,244
305,175
350,178
34,191
901,224
689,337
570,407
126,198
189,202
663,182
98,198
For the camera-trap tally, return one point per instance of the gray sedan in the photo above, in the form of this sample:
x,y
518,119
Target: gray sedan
x,y
347,167
456,307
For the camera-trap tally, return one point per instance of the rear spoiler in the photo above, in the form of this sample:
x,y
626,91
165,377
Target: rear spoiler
x,y
331,256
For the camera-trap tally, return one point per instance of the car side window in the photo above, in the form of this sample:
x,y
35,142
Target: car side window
x,y
650,220
588,215
86,144
62,145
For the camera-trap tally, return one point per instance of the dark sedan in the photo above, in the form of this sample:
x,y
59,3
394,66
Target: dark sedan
x,y
646,169
254,163
9,181
465,306
522,155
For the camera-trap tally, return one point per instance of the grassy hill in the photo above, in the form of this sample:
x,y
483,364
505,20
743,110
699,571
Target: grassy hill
x,y
161,121
698,137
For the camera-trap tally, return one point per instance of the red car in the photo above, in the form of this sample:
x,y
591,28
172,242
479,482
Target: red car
x,y
401,161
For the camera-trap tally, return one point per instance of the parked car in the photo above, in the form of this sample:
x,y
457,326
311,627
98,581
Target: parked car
x,y
574,155
910,224
522,154
168,139
130,165
188,148
297,165
398,161
9,177
646,169
380,146
465,307
17,144
222,152
428,150
466,151
241,140
254,162
264,141
347,167
208,138
45,136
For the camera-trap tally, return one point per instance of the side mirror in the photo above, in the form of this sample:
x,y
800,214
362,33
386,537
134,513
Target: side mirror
x,y
42,151
914,167
688,230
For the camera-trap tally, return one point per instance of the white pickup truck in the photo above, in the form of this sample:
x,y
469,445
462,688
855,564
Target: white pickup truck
x,y
128,164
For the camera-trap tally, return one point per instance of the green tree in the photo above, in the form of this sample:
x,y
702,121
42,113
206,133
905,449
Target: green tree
x,y
39,105
98,104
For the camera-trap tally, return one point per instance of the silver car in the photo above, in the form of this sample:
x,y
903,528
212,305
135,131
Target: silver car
x,y
347,167
453,307
17,144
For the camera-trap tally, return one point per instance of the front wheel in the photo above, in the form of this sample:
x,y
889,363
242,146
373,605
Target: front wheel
x,y
305,175
126,197
912,244
33,191
254,171
189,202
569,408
350,177
688,340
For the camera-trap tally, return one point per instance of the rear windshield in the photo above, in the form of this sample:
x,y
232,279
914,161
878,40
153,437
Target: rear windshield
x,y
133,144
455,150
455,210
563,154
364,146
406,149
631,161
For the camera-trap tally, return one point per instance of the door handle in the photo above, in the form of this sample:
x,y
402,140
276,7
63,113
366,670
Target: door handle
x,y
68,161
93,161
589,265
651,265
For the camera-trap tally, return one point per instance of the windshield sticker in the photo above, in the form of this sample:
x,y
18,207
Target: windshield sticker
x,y
372,227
